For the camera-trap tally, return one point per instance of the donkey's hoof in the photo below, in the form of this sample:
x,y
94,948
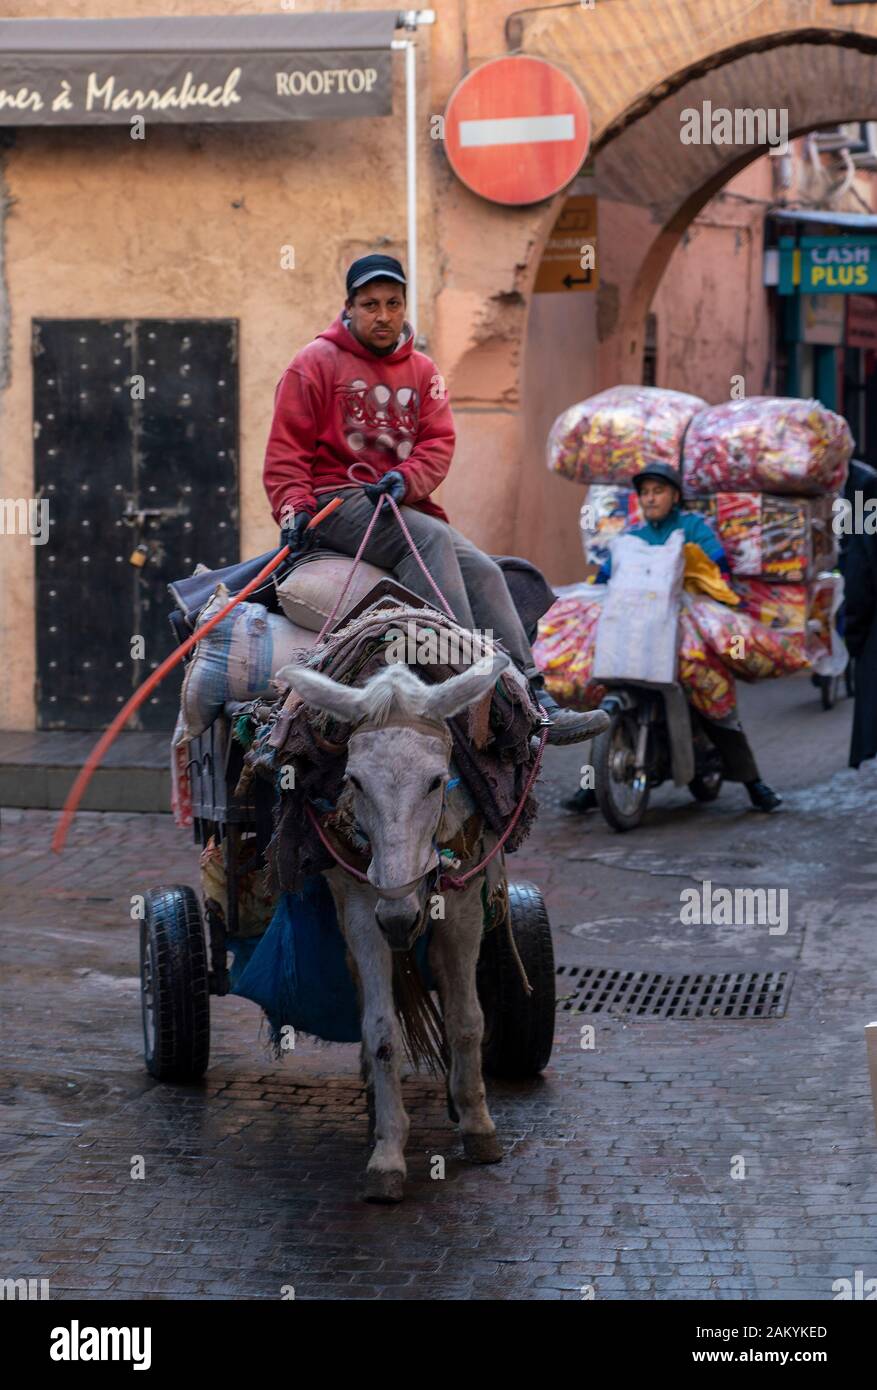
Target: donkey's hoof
x,y
482,1148
384,1185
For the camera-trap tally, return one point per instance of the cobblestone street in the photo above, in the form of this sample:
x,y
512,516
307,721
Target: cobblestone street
x,y
619,1172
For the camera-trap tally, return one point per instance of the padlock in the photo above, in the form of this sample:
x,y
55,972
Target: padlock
x,y
139,556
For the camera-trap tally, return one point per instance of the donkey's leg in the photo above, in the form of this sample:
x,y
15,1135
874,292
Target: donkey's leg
x,y
382,1046
454,950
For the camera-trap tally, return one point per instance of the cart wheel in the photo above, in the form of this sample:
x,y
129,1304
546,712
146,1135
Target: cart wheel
x,y
174,986
518,1030
622,794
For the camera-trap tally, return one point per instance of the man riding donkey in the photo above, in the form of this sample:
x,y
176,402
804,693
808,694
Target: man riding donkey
x,y
659,489
358,400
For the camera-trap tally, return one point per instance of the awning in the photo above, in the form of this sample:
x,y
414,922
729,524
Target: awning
x,y
261,67
856,221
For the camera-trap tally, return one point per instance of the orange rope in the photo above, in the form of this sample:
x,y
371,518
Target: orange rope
x,y
77,791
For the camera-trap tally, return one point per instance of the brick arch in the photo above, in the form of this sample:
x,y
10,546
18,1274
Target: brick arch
x,y
633,62
636,109
629,56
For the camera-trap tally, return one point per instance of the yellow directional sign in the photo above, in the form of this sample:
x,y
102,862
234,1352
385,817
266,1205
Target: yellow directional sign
x,y
569,261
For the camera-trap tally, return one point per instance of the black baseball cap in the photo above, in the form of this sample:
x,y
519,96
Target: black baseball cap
x,y
374,267
662,471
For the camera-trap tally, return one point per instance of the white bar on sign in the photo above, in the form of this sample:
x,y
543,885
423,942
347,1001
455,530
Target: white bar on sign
x,y
517,130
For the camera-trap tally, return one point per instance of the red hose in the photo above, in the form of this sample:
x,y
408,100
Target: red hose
x,y
77,791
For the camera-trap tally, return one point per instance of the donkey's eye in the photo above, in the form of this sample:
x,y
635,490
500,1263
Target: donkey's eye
x,y
434,784
354,782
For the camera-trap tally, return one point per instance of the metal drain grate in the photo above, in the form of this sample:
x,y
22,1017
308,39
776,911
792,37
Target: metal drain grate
x,y
644,994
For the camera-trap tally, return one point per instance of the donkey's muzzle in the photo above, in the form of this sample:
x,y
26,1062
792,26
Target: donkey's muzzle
x,y
401,921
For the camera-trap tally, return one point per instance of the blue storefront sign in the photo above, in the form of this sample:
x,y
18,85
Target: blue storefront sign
x,y
828,265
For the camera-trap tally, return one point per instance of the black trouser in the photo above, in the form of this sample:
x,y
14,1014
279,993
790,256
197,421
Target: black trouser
x,y
732,746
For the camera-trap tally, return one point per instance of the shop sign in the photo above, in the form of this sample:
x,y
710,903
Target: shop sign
x,y
569,261
258,67
828,265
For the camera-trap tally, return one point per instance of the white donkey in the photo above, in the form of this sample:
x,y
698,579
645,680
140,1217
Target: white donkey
x,y
397,769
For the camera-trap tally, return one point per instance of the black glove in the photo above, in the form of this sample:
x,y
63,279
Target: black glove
x,y
295,535
392,483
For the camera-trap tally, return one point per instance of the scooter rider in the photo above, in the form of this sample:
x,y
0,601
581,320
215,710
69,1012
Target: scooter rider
x,y
659,489
359,396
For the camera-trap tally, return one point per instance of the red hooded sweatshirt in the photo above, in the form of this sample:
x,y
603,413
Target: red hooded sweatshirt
x,y
338,402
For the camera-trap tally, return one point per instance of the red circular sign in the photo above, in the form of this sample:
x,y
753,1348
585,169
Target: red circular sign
x,y
516,130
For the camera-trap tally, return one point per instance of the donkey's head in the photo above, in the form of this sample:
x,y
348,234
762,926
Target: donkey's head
x,y
397,766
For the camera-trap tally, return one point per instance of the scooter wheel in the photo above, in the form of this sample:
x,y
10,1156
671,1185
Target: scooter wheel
x,y
621,796
706,786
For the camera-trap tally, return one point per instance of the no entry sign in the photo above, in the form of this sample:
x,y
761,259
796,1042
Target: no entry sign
x,y
516,130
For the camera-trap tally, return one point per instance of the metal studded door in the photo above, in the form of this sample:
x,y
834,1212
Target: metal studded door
x,y
135,449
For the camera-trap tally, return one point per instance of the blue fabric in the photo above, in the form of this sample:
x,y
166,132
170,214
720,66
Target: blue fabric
x,y
297,972
694,527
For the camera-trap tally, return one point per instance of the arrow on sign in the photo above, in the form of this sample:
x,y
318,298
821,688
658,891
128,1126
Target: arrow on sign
x,y
570,280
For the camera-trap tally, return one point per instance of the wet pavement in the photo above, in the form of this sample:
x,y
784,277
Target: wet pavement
x,y
708,1158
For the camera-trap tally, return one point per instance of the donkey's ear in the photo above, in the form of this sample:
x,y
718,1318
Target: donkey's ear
x,y
452,696
344,702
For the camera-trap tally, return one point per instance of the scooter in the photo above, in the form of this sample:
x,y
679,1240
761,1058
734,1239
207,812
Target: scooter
x,y
650,739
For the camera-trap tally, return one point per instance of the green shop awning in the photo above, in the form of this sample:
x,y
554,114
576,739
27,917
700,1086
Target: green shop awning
x,y
258,67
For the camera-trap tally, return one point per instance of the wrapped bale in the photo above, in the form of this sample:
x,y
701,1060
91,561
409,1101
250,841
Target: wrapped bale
x,y
707,682
564,648
609,437
784,540
746,647
766,444
782,607
237,660
825,646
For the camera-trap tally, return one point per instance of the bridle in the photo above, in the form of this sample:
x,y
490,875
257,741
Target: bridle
x,y
445,880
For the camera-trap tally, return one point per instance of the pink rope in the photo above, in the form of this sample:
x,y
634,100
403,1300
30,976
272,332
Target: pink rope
x,y
416,553
447,880
364,542
351,869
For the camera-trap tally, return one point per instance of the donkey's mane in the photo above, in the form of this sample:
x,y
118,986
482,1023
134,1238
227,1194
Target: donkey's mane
x,y
395,691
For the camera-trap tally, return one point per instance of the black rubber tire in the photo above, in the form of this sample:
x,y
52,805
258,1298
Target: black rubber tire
x,y
705,788
518,1030
174,986
612,813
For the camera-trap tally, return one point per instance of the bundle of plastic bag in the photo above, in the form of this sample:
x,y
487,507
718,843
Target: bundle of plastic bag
x,y
766,444
782,606
782,539
611,436
825,646
707,682
564,648
607,511
745,646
